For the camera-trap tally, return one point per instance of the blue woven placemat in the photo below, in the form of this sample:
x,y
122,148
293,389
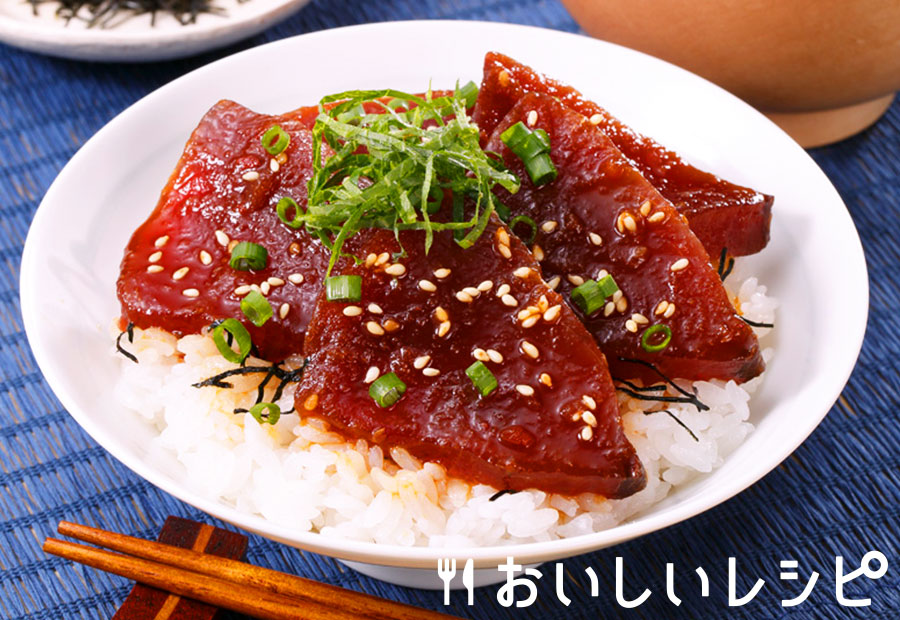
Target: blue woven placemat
x,y
837,495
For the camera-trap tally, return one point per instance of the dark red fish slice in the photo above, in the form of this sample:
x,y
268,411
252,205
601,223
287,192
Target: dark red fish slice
x,y
601,214
721,214
175,273
558,431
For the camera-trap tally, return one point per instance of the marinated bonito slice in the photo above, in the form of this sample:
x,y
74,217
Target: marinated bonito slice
x,y
550,423
721,214
600,216
176,274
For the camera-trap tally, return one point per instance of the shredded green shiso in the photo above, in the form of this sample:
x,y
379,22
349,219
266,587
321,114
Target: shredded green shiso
x,y
391,169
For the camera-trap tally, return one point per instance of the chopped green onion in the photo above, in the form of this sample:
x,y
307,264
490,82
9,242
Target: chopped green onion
x,y
285,203
482,378
343,288
266,412
537,142
652,331
241,336
541,169
589,297
256,308
387,389
525,220
607,285
468,93
515,136
246,256
503,211
275,140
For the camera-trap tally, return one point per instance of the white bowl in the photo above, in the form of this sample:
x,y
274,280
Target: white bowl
x,y
814,263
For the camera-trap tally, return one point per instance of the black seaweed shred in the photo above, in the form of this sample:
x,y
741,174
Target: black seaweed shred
x,y
635,391
285,378
130,331
674,417
111,13
757,323
725,266
500,494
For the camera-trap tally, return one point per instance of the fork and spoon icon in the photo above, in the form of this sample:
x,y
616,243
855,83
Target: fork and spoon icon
x,y
446,569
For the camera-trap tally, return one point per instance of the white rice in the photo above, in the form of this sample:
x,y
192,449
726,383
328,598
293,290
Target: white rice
x,y
300,475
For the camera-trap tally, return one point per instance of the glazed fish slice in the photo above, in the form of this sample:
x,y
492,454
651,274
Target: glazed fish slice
x,y
721,214
551,423
175,273
600,215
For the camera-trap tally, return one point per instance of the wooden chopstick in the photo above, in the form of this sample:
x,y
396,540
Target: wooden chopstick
x,y
230,584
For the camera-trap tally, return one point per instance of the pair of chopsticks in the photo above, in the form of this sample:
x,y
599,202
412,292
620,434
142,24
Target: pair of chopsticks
x,y
230,584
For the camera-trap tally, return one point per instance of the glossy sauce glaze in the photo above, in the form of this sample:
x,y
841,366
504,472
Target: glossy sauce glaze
x,y
552,423
721,214
601,214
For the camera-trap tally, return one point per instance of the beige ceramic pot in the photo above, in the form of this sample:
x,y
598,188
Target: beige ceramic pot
x,y
822,69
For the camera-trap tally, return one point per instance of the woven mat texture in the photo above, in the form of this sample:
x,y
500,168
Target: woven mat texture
x,y
837,494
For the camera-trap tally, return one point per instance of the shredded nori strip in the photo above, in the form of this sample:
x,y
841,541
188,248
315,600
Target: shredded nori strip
x,y
285,377
111,13
634,391
130,331
674,417
725,267
500,494
757,323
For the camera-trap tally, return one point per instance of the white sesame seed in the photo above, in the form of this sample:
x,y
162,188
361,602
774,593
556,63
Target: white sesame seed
x,y
251,175
524,313
656,217
191,292
421,362
595,119
161,241
504,251
525,390
522,272
221,238
531,119
283,310
243,289
371,374
443,328
264,288
531,321
464,297
553,283
382,258
543,304
502,290
485,286
537,252
589,402
427,285
255,287
391,325
602,274
205,257
471,290
680,264
180,273
154,258
481,355
370,259
586,433
609,308
509,300
395,270
273,281
374,328
622,304
629,223
352,310
273,165
502,236
529,349
441,273
645,208
154,268
661,307
296,278
617,295
576,416
546,380
231,244
595,238
575,279
552,312
669,311
549,226
431,372
441,314
640,319
495,356
589,418
375,308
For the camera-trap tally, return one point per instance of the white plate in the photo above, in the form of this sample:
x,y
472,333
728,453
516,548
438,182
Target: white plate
x,y
136,39
814,263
